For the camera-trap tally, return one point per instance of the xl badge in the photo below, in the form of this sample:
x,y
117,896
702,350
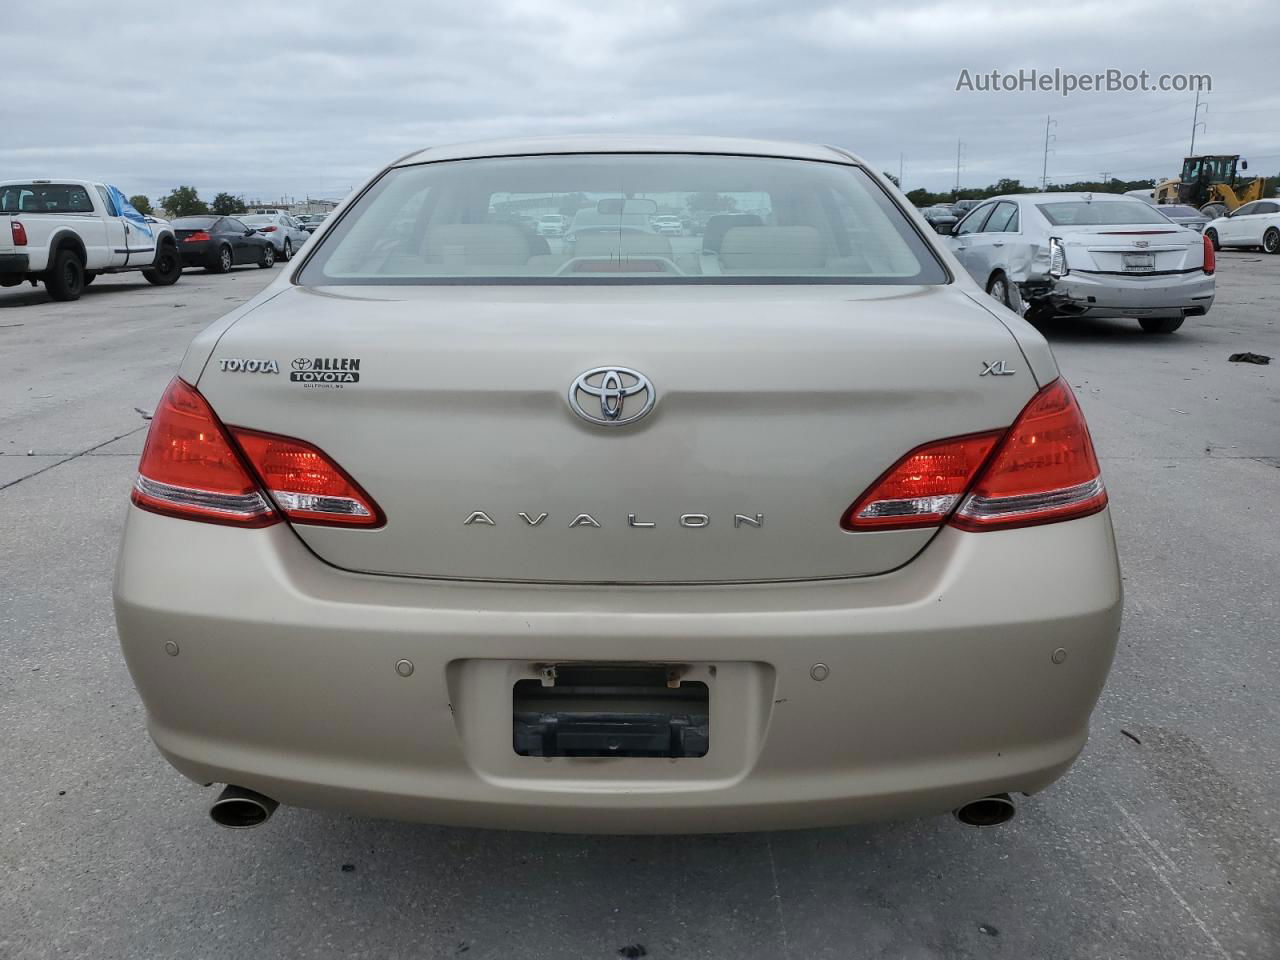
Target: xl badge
x,y
999,368
612,396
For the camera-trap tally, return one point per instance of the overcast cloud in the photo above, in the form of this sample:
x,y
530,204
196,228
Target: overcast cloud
x,y
307,98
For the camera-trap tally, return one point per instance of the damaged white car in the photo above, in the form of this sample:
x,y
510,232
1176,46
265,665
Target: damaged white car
x,y
1080,254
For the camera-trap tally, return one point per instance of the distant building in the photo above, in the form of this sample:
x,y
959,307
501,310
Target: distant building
x,y
295,208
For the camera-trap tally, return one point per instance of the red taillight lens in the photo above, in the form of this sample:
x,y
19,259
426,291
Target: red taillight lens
x,y
922,488
1210,257
19,233
190,469
195,468
306,485
267,229
1040,470
1044,469
200,236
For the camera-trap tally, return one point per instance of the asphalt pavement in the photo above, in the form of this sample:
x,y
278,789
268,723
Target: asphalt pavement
x,y
1162,842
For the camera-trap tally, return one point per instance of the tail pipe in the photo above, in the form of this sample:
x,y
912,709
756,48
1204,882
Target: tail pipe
x,y
987,812
240,808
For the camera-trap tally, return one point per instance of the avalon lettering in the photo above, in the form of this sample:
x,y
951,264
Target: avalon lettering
x,y
689,521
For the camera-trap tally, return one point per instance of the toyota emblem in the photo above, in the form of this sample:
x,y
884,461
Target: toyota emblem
x,y
612,396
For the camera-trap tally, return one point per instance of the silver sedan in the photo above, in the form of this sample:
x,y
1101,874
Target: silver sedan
x,y
1081,254
285,235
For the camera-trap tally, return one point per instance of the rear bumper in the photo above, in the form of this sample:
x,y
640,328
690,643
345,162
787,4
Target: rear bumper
x,y
1109,295
14,263
942,684
203,255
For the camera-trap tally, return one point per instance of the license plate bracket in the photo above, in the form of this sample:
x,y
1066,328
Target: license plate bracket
x,y
1138,262
611,711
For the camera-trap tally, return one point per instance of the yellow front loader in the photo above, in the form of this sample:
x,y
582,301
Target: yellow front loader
x,y
1209,182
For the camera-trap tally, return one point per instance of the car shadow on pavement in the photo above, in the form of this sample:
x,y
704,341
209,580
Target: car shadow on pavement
x,y
1100,330
34,296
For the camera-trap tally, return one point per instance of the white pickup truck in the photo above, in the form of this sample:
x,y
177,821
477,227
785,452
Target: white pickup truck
x,y
66,232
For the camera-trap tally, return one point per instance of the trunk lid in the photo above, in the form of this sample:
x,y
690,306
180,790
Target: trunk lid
x,y
1131,250
776,407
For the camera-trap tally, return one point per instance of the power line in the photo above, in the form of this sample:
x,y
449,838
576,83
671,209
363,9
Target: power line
x,y
1044,172
1197,122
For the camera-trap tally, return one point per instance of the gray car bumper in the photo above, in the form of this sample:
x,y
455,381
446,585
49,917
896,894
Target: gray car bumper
x,y
1109,295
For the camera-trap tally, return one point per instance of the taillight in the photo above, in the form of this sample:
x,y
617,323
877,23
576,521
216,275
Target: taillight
x,y
196,468
1210,257
19,233
1057,258
922,488
190,468
305,484
200,236
1044,469
267,229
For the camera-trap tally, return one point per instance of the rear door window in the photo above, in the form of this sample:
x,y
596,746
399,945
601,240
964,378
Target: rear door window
x,y
1004,219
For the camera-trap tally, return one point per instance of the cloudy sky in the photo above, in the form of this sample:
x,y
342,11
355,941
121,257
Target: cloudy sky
x,y
308,97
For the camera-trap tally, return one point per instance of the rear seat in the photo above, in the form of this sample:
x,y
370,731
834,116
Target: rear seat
x,y
472,244
772,249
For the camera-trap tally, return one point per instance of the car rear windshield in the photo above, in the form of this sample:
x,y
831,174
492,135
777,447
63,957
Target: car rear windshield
x,y
45,198
755,220
193,223
1099,213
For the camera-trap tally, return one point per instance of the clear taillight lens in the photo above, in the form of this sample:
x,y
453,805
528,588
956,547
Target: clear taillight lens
x,y
1057,258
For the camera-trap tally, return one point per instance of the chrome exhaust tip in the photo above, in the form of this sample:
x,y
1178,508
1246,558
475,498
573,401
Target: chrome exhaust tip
x,y
987,812
239,809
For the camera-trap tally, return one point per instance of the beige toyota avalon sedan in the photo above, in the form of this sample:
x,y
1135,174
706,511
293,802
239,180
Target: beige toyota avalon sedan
x,y
782,522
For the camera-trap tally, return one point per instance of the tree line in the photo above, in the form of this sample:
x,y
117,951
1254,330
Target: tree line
x,y
185,202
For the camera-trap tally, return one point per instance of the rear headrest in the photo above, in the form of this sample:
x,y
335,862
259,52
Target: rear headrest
x,y
469,244
772,248
611,243
718,225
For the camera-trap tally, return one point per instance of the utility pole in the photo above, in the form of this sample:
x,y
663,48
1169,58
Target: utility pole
x,y
959,163
1106,176
1197,122
1044,171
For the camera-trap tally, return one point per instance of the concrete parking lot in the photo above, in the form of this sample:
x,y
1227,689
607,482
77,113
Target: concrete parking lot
x,y
1162,842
